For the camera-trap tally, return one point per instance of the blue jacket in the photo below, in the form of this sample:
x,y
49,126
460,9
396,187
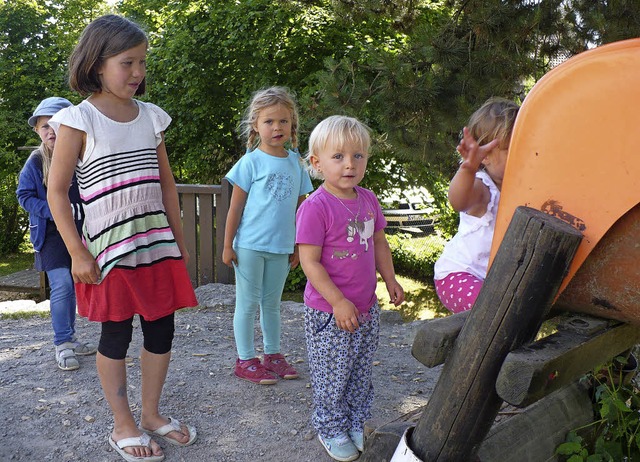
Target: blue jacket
x,y
32,196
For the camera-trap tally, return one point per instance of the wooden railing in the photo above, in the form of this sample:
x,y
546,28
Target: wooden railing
x,y
204,213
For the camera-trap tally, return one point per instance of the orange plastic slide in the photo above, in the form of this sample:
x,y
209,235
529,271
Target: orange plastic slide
x,y
573,152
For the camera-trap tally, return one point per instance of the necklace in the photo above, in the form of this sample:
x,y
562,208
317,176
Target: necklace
x,y
357,214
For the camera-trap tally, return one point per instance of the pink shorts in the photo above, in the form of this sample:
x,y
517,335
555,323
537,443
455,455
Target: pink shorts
x,y
458,291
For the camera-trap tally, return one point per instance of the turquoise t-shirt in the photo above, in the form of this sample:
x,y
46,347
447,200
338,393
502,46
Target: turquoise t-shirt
x,y
273,186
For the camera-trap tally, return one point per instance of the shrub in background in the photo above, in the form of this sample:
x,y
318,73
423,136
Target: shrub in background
x,y
412,257
415,257
296,280
14,221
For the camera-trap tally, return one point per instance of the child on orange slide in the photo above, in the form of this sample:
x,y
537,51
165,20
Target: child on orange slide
x,y
475,193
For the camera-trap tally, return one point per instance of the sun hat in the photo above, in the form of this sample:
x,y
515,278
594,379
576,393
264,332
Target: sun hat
x,y
48,107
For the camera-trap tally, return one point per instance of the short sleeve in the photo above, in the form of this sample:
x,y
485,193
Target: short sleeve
x,y
305,185
310,223
380,220
159,118
241,174
74,117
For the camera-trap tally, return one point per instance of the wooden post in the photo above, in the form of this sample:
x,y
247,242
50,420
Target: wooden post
x,y
519,289
224,274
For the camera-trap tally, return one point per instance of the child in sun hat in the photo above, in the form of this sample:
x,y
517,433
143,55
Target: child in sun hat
x,y
51,254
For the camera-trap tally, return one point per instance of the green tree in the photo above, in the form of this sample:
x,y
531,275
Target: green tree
x,y
35,40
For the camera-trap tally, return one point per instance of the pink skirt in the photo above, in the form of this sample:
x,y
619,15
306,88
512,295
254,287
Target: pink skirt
x,y
152,291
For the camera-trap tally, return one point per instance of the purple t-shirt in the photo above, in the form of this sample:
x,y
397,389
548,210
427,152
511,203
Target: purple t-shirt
x,y
344,229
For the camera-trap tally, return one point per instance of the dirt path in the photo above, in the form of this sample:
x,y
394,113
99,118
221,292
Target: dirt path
x,y
51,415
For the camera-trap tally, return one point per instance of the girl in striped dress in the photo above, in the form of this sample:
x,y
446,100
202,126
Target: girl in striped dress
x,y
131,257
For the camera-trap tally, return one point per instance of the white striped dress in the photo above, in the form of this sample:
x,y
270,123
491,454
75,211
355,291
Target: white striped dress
x,y
125,225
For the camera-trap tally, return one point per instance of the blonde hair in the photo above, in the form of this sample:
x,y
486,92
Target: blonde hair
x,y
338,131
263,99
45,154
494,120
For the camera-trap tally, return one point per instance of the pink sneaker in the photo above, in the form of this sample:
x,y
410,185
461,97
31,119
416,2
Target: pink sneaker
x,y
253,371
278,365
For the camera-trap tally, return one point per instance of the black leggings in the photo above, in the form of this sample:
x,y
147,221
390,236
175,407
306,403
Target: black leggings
x,y
116,336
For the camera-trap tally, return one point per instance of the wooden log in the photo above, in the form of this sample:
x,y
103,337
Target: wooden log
x,y
436,337
534,434
530,435
380,444
519,289
551,363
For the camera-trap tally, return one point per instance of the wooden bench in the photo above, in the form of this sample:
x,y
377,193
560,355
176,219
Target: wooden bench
x,y
204,212
29,281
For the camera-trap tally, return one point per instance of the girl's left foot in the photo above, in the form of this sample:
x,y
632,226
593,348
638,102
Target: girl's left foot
x,y
278,365
174,433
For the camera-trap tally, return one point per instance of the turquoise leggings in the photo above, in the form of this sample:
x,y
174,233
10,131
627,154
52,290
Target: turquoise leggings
x,y
260,278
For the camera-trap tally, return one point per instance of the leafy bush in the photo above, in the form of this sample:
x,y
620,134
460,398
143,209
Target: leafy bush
x,y
296,280
412,257
615,436
14,221
415,257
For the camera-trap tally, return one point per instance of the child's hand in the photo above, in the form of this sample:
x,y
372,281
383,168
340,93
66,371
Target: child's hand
x,y
294,258
473,154
229,256
396,292
346,315
84,268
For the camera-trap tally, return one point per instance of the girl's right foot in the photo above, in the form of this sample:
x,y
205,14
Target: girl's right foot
x,y
253,371
66,357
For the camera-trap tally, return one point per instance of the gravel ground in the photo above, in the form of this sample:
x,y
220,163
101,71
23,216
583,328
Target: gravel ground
x,y
51,415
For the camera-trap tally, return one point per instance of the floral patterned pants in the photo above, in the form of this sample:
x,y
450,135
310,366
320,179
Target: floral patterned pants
x,y
341,364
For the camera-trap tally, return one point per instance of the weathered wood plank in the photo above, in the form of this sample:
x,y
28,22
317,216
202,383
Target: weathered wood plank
x,y
518,291
551,363
224,274
531,435
380,444
206,255
190,227
436,337
29,281
534,434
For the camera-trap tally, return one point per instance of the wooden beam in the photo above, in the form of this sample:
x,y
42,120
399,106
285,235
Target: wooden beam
x,y
534,434
551,363
518,291
435,338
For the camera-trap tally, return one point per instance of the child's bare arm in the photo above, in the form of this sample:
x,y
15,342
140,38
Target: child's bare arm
x,y
67,150
384,265
344,311
466,193
236,207
294,258
170,199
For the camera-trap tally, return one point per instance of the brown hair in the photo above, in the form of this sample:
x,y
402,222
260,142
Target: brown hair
x,y
103,38
494,120
261,100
